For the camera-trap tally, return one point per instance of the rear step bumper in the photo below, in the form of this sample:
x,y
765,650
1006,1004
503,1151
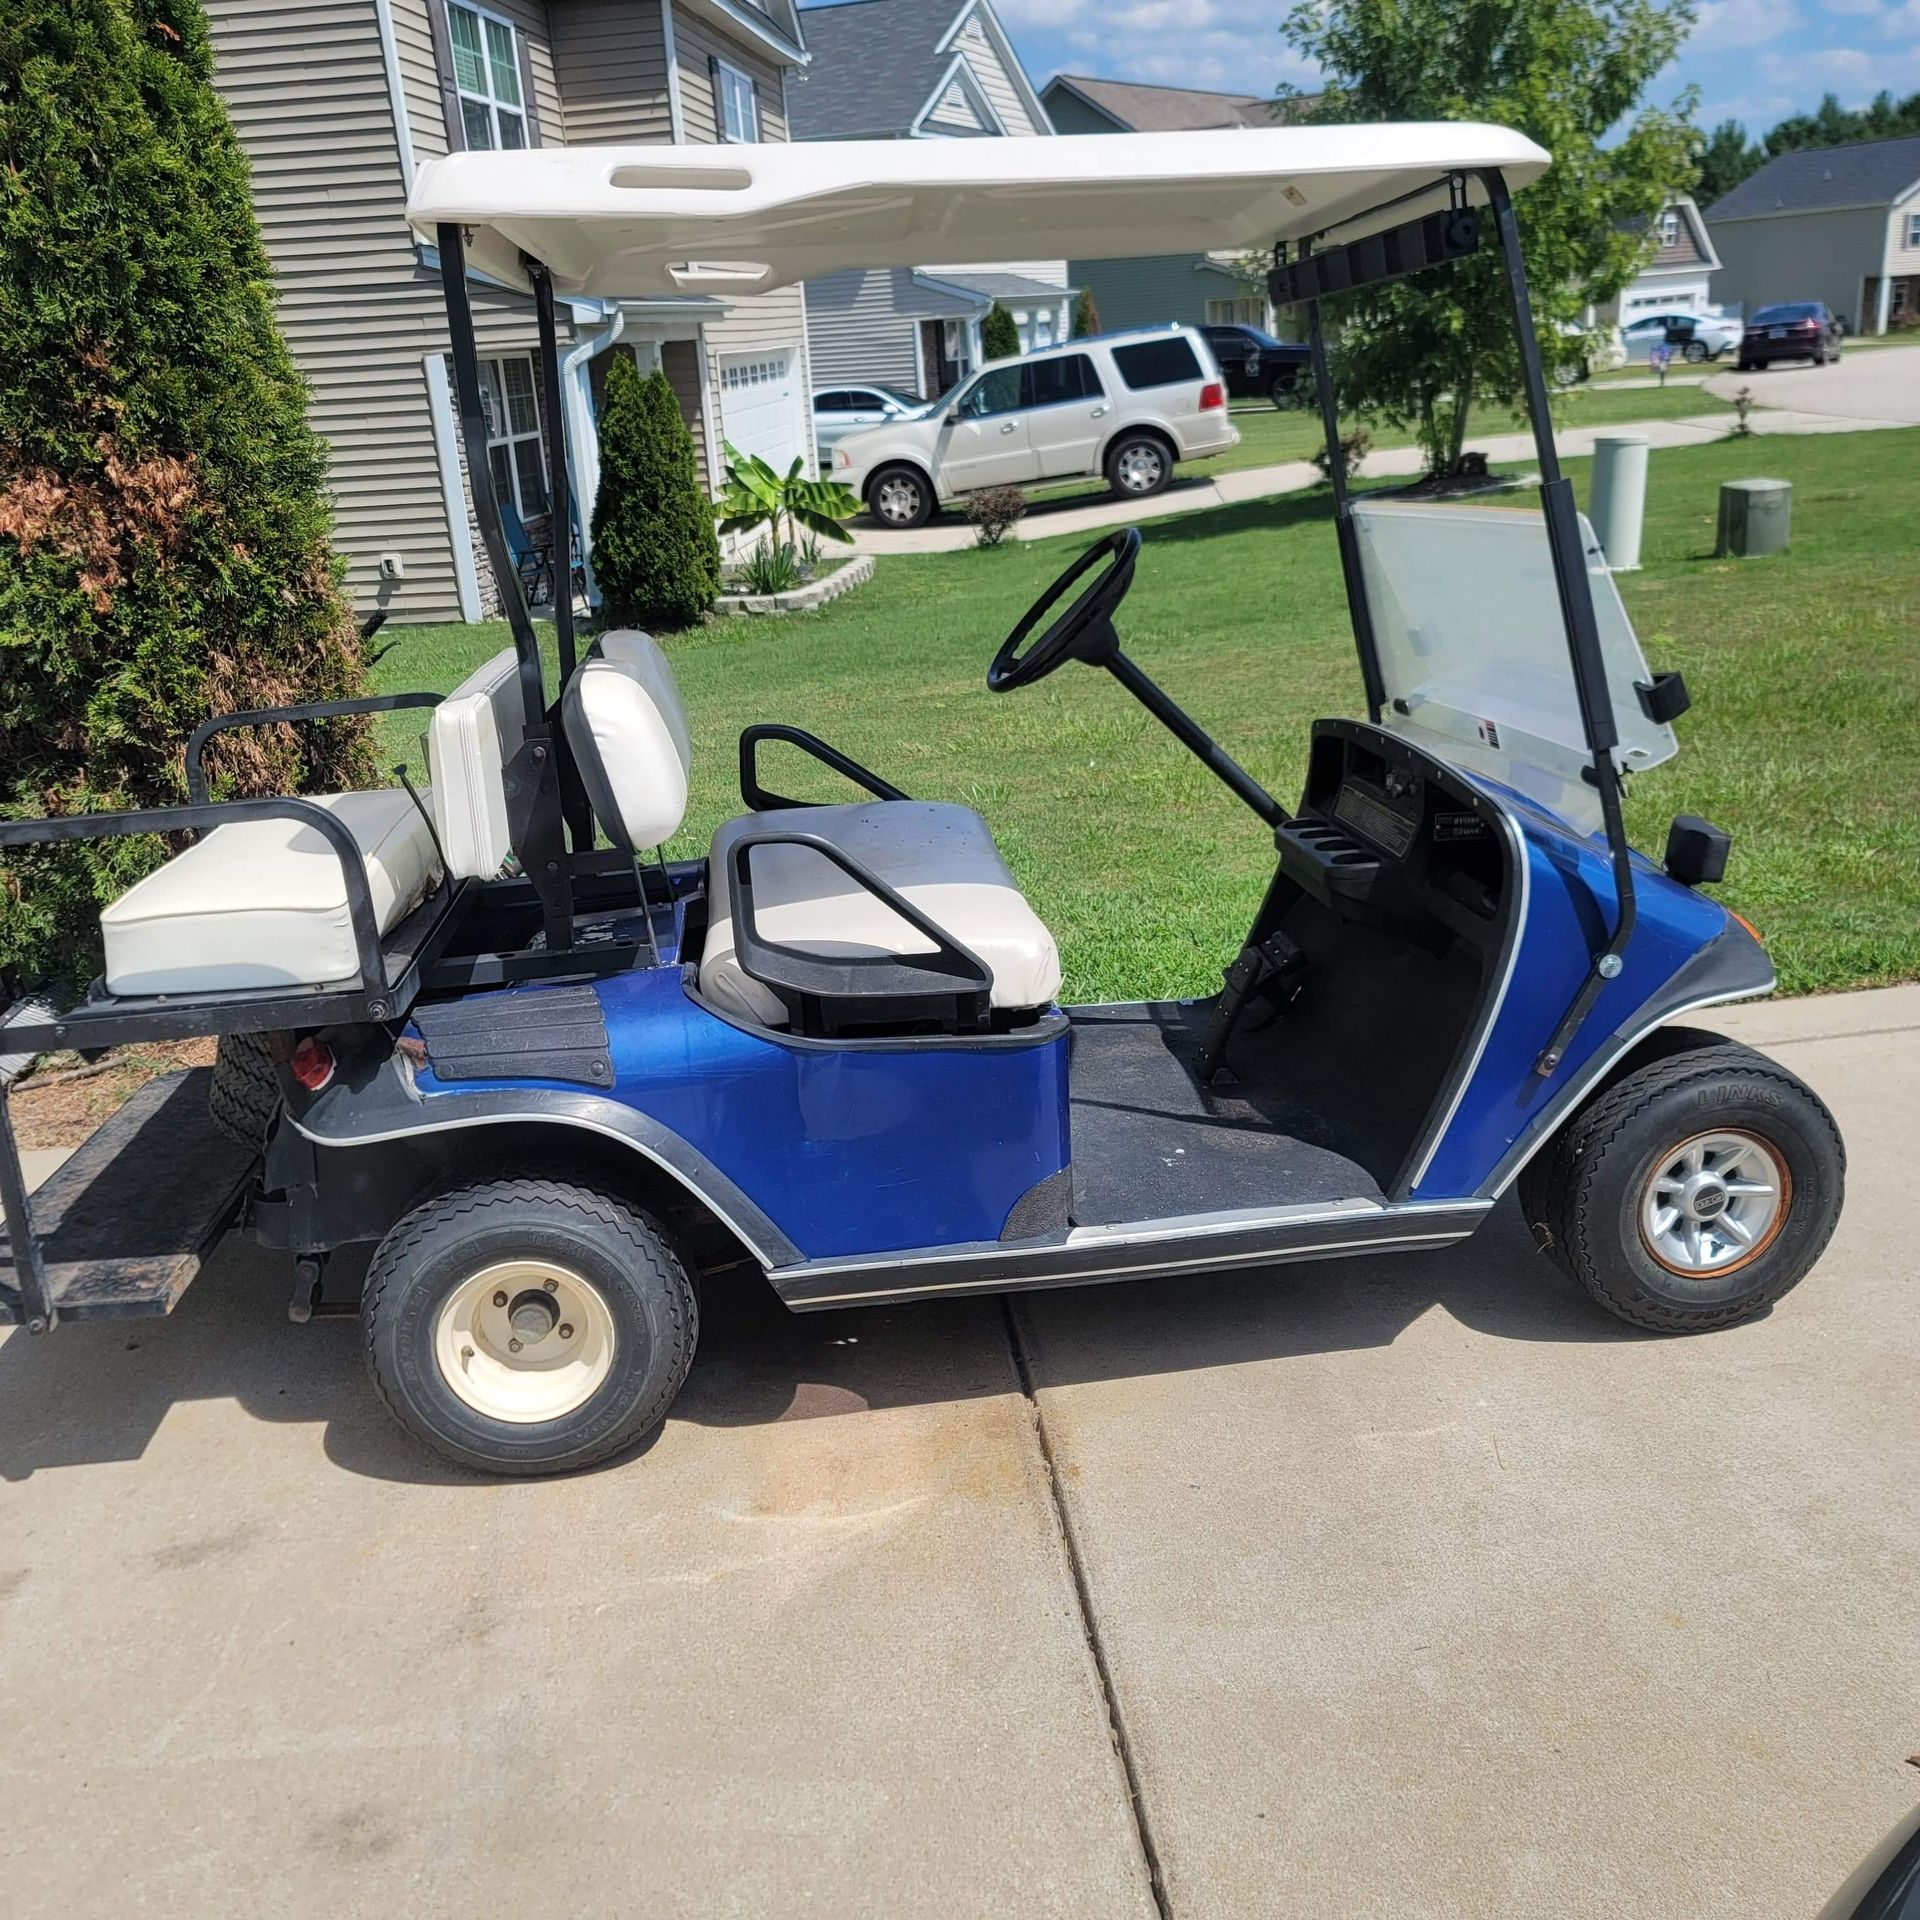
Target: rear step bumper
x,y
123,1226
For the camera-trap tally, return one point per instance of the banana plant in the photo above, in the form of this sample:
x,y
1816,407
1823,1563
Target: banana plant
x,y
756,496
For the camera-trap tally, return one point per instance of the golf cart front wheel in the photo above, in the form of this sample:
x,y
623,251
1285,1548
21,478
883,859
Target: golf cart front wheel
x,y
526,1327
1694,1192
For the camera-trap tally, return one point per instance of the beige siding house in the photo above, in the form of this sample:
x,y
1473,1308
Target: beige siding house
x,y
336,106
1678,273
919,70
1839,224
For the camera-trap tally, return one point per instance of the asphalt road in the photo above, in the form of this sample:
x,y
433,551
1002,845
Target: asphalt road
x,y
1866,383
1407,1586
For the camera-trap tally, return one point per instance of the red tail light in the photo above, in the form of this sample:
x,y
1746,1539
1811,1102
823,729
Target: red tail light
x,y
312,1064
1213,396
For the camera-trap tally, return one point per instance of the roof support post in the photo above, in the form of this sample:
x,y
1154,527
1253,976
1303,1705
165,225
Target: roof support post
x,y
1582,629
573,797
532,776
1359,612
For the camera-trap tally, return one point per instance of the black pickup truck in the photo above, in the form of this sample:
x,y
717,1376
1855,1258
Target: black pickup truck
x,y
1256,366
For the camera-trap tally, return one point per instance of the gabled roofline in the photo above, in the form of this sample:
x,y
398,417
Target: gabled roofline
x,y
934,284
957,69
1689,208
990,21
1807,213
1088,101
757,26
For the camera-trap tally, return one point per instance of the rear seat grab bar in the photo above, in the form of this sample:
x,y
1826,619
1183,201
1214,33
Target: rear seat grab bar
x,y
368,952
761,801
284,716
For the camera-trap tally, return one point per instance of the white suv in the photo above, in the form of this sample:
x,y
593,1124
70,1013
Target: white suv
x,y
1126,405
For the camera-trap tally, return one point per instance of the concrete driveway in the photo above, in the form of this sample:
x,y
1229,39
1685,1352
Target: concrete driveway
x,y
1868,383
1406,1586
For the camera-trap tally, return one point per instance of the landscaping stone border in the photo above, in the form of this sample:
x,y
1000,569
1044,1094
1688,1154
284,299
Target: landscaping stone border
x,y
805,599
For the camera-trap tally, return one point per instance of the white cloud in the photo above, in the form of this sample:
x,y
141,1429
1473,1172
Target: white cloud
x,y
1741,23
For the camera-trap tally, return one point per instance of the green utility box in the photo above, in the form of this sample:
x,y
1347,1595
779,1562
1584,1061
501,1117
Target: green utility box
x,y
1756,517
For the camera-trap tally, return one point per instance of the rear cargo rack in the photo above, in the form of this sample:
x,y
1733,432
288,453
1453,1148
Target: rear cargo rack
x,y
121,1229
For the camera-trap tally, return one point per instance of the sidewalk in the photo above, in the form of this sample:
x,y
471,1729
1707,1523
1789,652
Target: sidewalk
x,y
949,532
1393,1585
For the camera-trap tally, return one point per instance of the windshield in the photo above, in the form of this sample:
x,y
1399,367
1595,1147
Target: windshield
x,y
1473,648
911,402
1803,310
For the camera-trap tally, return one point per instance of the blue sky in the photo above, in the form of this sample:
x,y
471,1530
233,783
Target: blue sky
x,y
1753,60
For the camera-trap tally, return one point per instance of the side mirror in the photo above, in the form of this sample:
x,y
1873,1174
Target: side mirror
x,y
1697,850
953,416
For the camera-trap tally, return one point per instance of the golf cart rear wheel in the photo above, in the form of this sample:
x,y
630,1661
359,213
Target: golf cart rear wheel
x,y
900,498
1139,465
244,1094
1694,1192
525,1327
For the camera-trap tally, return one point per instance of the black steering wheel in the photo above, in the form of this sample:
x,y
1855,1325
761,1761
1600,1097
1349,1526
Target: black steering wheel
x,y
1084,631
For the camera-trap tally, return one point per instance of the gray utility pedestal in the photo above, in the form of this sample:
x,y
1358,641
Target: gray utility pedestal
x,y
1619,497
1756,517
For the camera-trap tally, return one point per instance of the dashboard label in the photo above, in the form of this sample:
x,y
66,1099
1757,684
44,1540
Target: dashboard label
x,y
1459,826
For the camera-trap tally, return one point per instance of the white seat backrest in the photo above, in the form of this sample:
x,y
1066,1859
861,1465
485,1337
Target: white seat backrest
x,y
627,726
475,731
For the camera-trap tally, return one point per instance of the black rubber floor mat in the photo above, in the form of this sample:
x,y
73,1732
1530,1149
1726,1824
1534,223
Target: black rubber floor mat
x,y
537,1033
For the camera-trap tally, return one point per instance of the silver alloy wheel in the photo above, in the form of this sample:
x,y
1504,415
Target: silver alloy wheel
x,y
1714,1203
1141,467
897,501
524,1341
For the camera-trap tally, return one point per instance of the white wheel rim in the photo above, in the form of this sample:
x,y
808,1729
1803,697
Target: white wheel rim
x,y
1140,469
1714,1203
898,500
524,1341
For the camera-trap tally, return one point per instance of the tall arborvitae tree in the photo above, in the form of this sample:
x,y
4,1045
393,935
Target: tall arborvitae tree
x,y
999,336
164,527
1086,316
655,553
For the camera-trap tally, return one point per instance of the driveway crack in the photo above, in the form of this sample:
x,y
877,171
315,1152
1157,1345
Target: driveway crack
x,y
1089,1620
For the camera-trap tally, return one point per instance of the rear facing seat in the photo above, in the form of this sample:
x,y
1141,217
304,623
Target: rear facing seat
x,y
263,903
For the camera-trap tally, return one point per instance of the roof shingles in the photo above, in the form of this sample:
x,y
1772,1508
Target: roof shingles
x,y
1870,173
875,65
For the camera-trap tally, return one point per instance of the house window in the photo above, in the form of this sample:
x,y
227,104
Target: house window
x,y
1247,311
515,451
735,106
1669,229
486,74
1913,230
1897,301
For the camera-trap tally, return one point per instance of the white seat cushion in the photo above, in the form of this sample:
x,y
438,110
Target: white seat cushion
x,y
474,732
941,858
263,903
627,727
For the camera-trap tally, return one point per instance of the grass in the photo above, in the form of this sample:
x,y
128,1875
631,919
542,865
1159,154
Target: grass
x,y
1804,739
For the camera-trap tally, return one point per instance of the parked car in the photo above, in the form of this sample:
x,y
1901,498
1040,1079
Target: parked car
x,y
1126,405
1694,336
1792,330
839,411
1256,366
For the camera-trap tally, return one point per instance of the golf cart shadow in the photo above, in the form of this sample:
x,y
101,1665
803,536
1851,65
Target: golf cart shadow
x,y
101,1393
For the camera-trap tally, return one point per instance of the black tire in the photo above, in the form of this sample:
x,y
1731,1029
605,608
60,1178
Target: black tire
x,y
1139,465
1582,1194
1284,390
1696,351
624,1257
911,488
1746,366
245,1093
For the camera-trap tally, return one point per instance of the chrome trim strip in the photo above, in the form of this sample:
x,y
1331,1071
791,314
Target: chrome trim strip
x,y
770,1260
1081,1276
1517,933
1574,1091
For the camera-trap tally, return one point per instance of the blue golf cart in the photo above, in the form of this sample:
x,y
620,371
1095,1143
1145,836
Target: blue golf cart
x,y
552,1078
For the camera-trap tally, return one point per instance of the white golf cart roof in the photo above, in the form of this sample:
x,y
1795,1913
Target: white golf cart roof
x,y
650,221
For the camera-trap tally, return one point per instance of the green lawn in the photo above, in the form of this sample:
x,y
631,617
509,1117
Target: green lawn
x,y
1804,739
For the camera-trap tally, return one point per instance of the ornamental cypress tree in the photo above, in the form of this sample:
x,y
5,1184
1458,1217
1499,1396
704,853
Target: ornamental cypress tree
x,y
164,528
655,552
1086,316
999,337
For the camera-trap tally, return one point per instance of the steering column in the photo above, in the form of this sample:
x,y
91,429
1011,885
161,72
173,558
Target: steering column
x,y
1086,632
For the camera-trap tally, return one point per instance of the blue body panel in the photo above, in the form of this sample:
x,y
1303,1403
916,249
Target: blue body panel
x,y
865,1148
1569,914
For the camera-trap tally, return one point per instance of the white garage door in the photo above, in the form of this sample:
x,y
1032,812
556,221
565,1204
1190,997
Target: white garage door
x,y
760,405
